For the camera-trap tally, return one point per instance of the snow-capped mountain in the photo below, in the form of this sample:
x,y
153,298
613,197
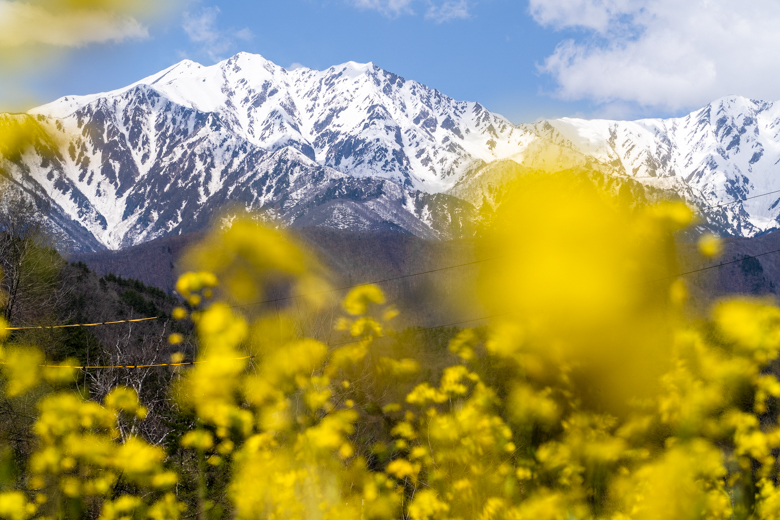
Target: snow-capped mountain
x,y
355,118
362,146
725,158
355,147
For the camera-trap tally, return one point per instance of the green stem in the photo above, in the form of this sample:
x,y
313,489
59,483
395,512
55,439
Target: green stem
x,y
201,486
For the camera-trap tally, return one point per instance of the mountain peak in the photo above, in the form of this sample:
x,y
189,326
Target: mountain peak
x,y
247,59
244,54
736,104
362,67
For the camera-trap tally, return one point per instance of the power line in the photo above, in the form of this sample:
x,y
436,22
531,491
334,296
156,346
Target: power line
x,y
81,324
742,200
85,367
186,363
384,280
720,265
394,334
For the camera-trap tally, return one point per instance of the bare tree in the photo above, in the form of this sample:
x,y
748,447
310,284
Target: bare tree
x,y
133,348
30,263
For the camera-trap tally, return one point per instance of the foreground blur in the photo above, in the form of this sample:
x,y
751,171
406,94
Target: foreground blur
x,y
591,396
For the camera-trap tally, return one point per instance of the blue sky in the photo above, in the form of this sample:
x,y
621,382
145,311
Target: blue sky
x,y
525,59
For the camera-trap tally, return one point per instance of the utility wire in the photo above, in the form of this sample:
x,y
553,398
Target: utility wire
x,y
185,363
719,265
742,200
393,334
81,324
384,280
133,366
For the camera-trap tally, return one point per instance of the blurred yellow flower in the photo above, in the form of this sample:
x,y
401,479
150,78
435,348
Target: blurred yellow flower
x,y
710,245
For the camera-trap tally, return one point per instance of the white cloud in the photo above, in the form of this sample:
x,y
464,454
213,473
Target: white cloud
x,y
386,7
202,28
24,24
663,54
590,14
437,11
451,10
296,65
245,34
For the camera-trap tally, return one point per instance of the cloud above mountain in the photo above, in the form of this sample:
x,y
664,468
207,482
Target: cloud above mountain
x,y
662,54
448,11
203,29
436,11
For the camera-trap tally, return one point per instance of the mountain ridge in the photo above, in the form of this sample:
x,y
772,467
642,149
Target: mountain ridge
x,y
357,147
